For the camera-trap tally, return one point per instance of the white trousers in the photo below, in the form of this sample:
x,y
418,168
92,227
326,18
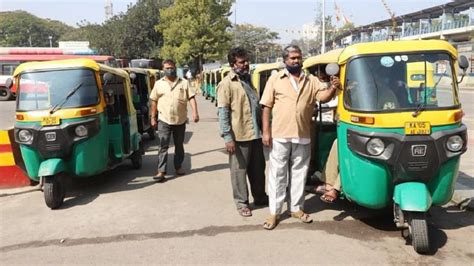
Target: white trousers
x,y
288,166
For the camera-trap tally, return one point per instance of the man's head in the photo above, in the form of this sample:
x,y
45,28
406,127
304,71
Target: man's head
x,y
293,59
169,67
239,60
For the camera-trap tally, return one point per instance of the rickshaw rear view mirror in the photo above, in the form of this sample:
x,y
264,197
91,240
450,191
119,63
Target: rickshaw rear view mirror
x,y
463,62
9,83
133,75
108,77
332,69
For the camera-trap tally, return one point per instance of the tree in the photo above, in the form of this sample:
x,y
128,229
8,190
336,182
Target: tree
x,y
20,28
195,31
258,40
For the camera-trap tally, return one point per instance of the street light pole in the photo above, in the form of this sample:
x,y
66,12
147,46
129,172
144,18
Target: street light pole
x,y
323,44
50,41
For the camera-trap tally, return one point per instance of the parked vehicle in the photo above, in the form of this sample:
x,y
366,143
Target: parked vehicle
x,y
399,128
74,118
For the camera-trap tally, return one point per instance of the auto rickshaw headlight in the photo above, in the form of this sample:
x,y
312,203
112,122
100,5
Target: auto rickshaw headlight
x,y
375,147
81,131
454,143
25,135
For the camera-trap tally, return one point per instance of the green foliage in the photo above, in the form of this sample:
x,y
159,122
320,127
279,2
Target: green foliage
x,y
195,31
20,28
259,41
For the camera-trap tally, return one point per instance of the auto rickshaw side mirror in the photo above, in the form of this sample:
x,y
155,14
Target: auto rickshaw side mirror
x,y
9,83
332,69
133,75
463,62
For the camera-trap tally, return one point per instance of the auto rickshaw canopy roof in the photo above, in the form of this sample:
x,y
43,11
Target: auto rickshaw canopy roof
x,y
268,66
386,47
326,58
137,70
69,63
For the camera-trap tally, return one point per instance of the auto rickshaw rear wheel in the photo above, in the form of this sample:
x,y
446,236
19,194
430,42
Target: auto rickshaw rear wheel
x,y
5,94
53,191
137,157
418,229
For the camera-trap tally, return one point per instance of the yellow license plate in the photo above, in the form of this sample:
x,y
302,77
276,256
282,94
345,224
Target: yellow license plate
x,y
417,128
50,121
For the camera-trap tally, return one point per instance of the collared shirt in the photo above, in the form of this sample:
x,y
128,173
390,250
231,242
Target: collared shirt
x,y
241,101
172,100
291,110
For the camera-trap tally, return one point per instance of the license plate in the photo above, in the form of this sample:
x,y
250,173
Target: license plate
x,y
417,128
50,121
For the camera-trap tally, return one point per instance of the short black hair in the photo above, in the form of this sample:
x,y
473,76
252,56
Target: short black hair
x,y
169,62
290,48
236,52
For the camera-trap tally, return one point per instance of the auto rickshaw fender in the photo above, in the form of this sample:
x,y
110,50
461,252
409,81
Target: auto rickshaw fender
x,y
412,196
51,167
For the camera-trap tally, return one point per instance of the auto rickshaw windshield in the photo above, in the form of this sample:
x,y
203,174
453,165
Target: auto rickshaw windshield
x,y
390,83
57,89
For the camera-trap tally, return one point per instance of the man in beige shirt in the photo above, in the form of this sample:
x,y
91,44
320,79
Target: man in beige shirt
x,y
240,126
289,97
169,98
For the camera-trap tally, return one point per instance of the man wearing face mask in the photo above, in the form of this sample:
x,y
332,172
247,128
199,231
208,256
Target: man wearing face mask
x,y
240,126
289,98
169,98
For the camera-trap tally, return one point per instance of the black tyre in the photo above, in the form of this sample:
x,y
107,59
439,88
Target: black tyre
x,y
419,232
53,191
5,94
151,132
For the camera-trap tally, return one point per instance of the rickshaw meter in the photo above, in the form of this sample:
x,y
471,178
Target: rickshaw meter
x,y
25,135
375,147
454,143
81,131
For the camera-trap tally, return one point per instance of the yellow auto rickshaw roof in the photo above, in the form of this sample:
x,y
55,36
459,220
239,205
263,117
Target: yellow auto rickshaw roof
x,y
68,63
326,58
268,66
138,70
396,47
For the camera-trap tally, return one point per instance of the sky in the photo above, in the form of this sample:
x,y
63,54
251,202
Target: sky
x,y
282,16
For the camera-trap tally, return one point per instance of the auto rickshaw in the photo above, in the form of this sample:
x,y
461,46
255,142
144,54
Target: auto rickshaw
x,y
74,117
141,88
396,148
324,127
215,79
206,83
260,74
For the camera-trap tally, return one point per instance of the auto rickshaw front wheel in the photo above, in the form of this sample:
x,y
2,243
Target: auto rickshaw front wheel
x,y
418,230
53,191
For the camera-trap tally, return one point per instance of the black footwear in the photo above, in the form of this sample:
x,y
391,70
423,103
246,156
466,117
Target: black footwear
x,y
160,177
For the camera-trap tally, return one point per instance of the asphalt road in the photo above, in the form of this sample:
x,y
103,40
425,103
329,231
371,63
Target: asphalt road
x,y
123,217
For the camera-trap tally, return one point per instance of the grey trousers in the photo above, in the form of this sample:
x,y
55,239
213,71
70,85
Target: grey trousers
x,y
164,135
248,160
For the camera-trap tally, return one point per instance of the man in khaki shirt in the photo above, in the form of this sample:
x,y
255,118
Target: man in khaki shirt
x,y
169,98
240,126
289,96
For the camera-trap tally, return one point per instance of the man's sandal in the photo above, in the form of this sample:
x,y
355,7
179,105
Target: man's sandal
x,y
271,222
245,212
330,196
302,216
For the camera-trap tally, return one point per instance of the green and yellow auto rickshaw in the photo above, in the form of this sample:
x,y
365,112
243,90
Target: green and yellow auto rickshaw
x,y
74,117
141,88
399,129
216,77
260,74
206,83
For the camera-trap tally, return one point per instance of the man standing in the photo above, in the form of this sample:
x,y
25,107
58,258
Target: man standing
x,y
240,124
169,98
289,97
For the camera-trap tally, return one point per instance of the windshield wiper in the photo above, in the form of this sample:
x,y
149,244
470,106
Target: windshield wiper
x,y
420,107
60,105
